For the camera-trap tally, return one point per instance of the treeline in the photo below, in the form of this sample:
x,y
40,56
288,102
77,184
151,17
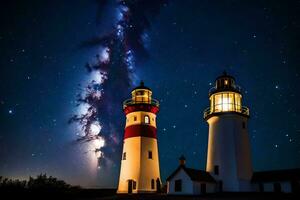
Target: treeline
x,y
47,187
41,182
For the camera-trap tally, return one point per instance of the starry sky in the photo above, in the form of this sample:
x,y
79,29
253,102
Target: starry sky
x,y
188,43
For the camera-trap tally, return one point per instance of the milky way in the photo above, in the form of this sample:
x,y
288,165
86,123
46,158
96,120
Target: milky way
x,y
113,74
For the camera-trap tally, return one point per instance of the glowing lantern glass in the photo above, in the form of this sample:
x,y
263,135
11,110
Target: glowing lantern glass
x,y
225,101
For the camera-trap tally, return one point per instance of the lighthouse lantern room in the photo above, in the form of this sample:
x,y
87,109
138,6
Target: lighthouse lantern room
x,y
140,162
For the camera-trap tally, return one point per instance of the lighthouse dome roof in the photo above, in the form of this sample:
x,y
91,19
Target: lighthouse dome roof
x,y
142,86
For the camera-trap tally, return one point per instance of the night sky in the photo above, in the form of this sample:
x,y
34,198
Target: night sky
x,y
45,46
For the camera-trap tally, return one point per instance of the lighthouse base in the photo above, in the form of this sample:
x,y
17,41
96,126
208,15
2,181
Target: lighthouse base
x,y
140,168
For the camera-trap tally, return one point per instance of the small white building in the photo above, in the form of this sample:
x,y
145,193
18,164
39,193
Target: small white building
x,y
187,181
286,181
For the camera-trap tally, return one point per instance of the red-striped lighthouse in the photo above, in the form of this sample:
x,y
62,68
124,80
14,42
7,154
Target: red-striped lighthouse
x,y
140,162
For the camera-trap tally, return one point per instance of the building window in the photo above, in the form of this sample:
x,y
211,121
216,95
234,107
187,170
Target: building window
x,y
147,119
203,188
134,118
152,183
124,156
261,187
178,185
277,187
216,170
134,185
150,154
244,125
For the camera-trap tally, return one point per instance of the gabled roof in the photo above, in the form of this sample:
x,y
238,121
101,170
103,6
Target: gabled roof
x,y
276,175
194,174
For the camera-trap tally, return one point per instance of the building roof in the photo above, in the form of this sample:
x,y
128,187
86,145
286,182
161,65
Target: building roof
x,y
194,174
276,175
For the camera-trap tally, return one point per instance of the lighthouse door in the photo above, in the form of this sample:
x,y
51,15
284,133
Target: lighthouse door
x,y
130,183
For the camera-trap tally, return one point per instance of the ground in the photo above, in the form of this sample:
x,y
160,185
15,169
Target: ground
x,y
236,196
110,194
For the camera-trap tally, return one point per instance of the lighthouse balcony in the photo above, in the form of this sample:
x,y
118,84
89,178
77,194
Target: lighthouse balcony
x,y
130,102
228,108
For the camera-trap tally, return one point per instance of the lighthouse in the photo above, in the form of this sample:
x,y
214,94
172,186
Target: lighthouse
x,y
228,154
140,162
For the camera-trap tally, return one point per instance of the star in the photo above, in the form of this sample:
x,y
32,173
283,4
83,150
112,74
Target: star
x,y
10,112
276,86
174,126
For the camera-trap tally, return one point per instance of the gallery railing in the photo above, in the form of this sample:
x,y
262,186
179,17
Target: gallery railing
x,y
242,109
129,102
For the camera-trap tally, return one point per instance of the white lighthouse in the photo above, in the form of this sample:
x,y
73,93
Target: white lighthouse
x,y
228,156
140,162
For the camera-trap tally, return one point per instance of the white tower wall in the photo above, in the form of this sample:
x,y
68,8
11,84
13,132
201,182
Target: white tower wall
x,y
229,148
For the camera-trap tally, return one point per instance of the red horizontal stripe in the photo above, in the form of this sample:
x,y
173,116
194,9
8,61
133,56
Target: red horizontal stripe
x,y
141,107
140,130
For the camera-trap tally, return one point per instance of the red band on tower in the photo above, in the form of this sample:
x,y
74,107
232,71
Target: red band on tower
x,y
140,130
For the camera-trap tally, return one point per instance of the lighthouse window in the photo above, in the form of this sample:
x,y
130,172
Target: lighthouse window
x,y
147,119
244,125
124,156
134,118
150,154
216,170
152,183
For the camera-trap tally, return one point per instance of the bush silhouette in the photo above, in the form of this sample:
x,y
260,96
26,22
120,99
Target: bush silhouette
x,y
41,183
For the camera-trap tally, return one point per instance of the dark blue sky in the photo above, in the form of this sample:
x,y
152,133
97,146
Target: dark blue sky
x,y
190,43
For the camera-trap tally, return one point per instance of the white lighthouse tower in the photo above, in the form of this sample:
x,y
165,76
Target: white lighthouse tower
x,y
228,155
140,162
